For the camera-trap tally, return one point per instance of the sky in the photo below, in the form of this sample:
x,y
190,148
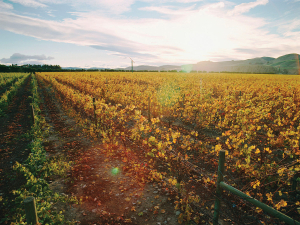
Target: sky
x,y
107,33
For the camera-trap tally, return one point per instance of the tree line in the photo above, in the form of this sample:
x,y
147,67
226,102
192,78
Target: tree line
x,y
235,69
29,68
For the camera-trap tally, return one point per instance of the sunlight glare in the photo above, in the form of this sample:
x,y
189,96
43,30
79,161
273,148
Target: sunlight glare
x,y
168,94
115,171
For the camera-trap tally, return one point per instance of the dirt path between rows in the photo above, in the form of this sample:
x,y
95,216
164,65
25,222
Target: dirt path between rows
x,y
110,194
14,141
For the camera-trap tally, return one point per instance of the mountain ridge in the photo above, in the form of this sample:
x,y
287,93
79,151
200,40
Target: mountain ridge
x,y
286,64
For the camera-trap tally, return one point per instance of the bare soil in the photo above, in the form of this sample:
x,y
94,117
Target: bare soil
x,y
108,197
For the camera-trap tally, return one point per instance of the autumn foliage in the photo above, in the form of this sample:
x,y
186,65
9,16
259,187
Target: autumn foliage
x,y
191,117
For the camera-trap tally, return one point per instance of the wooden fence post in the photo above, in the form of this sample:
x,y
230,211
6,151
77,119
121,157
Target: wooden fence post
x,y
30,210
221,169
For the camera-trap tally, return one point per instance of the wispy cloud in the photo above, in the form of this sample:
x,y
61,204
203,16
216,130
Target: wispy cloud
x,y
108,7
289,28
103,33
105,6
17,58
168,10
180,1
30,3
4,5
184,35
245,7
111,6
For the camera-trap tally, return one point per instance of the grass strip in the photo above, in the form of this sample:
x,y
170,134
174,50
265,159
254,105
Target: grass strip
x,y
9,94
37,170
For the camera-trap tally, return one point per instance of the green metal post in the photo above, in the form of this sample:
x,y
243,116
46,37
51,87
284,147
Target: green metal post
x,y
259,204
221,169
30,210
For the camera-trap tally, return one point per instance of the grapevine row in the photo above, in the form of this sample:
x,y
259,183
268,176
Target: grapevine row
x,y
258,116
6,98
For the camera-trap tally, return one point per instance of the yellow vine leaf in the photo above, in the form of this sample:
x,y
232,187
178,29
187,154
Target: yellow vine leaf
x,y
280,171
280,204
269,197
257,183
218,147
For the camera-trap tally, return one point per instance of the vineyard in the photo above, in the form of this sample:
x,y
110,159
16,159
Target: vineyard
x,y
9,84
134,148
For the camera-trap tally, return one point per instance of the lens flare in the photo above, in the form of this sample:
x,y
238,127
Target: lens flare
x,y
186,68
115,171
168,94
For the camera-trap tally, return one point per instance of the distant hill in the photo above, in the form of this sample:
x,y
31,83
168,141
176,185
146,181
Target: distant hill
x,y
152,68
79,68
286,64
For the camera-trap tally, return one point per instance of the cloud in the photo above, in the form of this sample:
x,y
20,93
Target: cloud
x,y
245,7
259,52
114,7
130,51
187,35
105,6
111,6
18,58
289,28
30,3
101,33
122,51
167,10
4,5
179,1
